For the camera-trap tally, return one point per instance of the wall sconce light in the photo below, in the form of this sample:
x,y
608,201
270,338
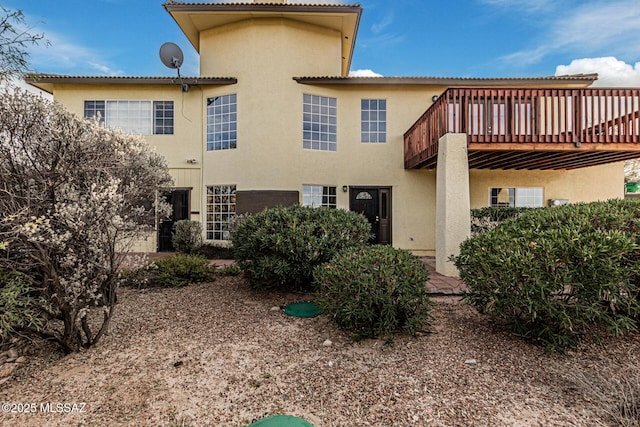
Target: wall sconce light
x,y
192,161
434,98
344,188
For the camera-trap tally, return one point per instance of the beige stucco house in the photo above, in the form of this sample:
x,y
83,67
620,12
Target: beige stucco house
x,y
274,118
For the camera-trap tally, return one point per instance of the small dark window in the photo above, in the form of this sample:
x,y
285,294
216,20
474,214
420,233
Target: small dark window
x,y
373,120
163,117
383,208
94,110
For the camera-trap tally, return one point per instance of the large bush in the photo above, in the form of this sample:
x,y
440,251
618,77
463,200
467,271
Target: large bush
x,y
210,251
187,236
74,197
557,274
174,271
486,219
19,305
280,247
374,291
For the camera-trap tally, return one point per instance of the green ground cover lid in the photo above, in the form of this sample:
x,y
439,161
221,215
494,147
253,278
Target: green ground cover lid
x,y
302,309
281,421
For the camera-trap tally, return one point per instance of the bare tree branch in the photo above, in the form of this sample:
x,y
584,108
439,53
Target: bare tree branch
x,y
15,39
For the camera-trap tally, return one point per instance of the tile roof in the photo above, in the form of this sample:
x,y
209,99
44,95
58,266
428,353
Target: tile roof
x,y
46,81
258,4
426,80
44,77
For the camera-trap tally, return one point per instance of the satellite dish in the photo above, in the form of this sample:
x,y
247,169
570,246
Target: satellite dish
x,y
172,57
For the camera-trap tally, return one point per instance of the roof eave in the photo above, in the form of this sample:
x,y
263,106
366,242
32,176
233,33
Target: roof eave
x,y
578,79
345,71
46,81
257,7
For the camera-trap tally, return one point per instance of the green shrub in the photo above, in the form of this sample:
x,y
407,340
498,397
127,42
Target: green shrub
x,y
134,277
486,219
215,252
18,305
498,213
374,291
558,274
279,247
228,270
174,271
187,236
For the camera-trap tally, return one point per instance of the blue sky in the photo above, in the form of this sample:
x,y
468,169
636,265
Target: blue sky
x,y
447,38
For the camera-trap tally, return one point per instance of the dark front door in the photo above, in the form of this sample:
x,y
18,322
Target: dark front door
x,y
375,204
179,199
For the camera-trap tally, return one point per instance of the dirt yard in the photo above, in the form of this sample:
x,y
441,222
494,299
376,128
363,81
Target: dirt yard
x,y
219,354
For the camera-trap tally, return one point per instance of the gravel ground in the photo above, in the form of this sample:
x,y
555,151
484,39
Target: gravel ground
x,y
219,354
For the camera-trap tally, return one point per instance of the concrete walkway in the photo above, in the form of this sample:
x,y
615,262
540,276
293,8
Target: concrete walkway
x,y
221,262
442,285
437,284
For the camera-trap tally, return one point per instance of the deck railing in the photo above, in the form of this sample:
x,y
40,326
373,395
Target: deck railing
x,y
512,116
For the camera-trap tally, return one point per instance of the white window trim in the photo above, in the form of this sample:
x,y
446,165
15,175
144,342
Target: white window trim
x,y
315,194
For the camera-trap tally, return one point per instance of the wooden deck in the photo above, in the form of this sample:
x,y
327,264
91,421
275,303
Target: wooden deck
x,y
512,128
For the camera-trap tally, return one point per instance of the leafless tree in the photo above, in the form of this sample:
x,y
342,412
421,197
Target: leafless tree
x,y
15,38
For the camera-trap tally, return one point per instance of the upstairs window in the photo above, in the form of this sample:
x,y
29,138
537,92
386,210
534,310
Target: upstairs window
x,y
319,196
132,116
373,123
222,123
516,197
163,117
319,123
95,110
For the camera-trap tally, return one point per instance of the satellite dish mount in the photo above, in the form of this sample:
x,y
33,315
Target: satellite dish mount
x,y
172,57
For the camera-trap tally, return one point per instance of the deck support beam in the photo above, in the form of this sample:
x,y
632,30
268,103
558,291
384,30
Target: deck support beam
x,y
453,205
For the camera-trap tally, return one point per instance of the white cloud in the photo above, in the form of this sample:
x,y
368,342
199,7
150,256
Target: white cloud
x,y
363,73
594,28
525,58
62,54
386,21
57,52
610,25
526,5
611,71
382,40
